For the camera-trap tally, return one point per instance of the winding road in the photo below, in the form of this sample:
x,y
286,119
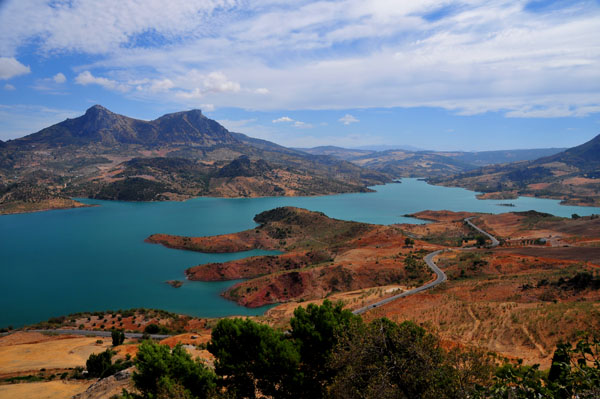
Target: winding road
x,y
440,275
440,278
495,242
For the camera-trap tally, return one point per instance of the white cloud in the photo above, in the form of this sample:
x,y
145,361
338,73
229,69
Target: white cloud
x,y
59,78
217,82
86,78
8,86
283,119
94,28
295,123
302,125
345,54
10,67
203,84
348,119
161,85
235,125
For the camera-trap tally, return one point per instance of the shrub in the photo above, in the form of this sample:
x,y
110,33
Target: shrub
x,y
117,337
162,372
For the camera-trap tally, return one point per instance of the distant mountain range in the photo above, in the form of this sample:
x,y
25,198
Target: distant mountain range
x,y
185,154
572,175
181,155
386,147
425,164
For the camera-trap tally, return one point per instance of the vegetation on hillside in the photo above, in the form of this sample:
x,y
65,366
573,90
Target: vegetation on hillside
x,y
571,175
182,155
330,353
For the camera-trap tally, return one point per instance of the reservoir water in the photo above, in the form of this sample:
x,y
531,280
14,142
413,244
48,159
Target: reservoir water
x,y
87,259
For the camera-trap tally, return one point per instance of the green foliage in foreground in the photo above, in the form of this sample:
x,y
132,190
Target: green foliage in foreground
x,y
100,365
162,372
254,357
330,353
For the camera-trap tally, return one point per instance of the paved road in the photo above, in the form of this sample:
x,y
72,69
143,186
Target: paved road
x,y
441,276
495,242
100,333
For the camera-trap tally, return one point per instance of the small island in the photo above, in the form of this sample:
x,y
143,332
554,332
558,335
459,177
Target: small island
x,y
174,283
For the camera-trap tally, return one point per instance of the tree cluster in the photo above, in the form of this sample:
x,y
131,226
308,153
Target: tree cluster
x,y
331,353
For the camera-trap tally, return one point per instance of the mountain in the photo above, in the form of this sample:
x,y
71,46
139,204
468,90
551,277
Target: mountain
x,y
101,126
483,158
338,152
386,147
427,164
180,155
572,175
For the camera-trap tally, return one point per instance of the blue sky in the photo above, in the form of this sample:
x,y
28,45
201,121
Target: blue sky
x,y
444,75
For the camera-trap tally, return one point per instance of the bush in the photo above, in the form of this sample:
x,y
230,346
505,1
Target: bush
x,y
315,331
118,337
254,358
156,329
162,372
100,365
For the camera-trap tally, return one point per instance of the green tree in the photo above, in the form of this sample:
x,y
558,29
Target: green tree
x,y
162,372
118,337
315,331
575,370
100,365
387,360
480,240
468,372
518,382
254,358
560,370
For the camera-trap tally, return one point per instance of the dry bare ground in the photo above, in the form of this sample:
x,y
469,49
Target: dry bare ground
x,y
43,390
24,351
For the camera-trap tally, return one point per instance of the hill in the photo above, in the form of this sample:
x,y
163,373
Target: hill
x,y
572,175
180,155
323,256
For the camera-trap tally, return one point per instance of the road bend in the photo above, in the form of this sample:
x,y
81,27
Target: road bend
x,y
440,278
440,275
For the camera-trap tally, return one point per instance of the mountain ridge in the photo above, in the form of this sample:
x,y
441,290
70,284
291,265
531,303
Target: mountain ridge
x,y
573,176
186,153
428,164
100,125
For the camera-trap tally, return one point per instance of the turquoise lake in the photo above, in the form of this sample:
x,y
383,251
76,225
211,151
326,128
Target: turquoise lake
x,y
60,262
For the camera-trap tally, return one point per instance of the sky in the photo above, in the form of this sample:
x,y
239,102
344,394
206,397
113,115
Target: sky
x,y
441,75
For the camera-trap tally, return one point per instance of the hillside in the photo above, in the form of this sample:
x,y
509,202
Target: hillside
x,y
323,256
519,299
572,175
181,155
427,164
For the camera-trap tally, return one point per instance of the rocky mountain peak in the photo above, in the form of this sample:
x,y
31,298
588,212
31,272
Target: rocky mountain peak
x,y
97,110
